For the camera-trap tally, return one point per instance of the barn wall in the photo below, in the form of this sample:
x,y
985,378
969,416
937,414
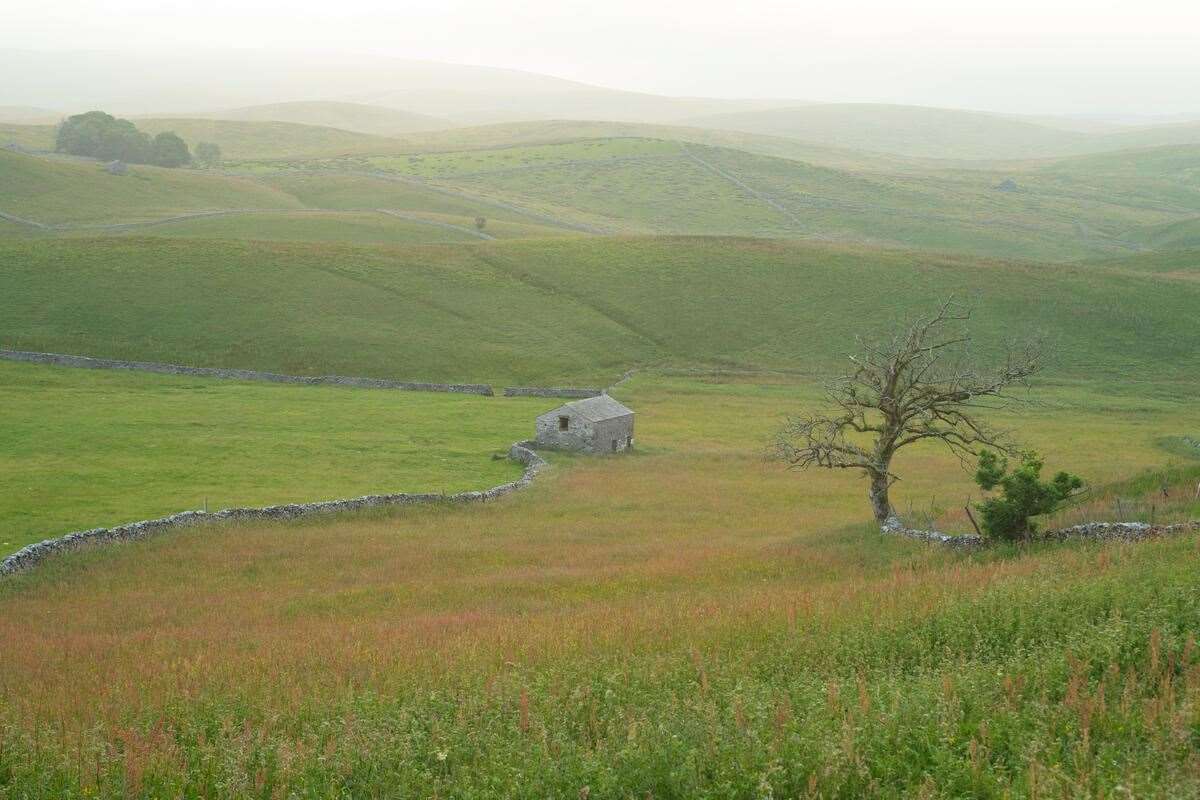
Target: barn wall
x,y
620,429
582,435
577,437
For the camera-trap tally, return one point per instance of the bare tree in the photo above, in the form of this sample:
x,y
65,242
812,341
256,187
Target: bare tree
x,y
915,386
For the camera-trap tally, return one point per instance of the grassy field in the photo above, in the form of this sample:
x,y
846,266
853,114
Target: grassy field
x,y
32,137
268,139
576,310
944,133
365,227
54,191
1172,236
1064,210
1061,210
688,621
83,448
904,130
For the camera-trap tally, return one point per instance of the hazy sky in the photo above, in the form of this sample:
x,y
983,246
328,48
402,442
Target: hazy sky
x,y
1074,56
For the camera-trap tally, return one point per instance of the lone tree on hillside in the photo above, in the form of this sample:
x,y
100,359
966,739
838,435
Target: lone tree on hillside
x,y
915,386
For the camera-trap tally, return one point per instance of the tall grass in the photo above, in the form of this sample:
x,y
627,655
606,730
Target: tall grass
x,y
687,621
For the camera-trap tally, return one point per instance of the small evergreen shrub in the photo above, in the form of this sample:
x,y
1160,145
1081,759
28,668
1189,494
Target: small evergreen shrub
x,y
1023,494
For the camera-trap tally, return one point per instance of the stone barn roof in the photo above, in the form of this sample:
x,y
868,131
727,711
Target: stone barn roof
x,y
595,409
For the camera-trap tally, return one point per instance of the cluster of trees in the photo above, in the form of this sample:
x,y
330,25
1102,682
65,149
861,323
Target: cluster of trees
x,y
100,135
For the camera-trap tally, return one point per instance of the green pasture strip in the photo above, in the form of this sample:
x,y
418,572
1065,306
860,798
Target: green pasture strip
x,y
575,310
55,191
87,448
361,227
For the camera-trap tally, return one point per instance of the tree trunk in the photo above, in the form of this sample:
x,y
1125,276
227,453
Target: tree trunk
x,y
880,503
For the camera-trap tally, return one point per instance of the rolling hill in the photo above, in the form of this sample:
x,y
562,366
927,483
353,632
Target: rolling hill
x,y
267,139
356,117
27,137
29,115
1181,133
579,309
186,83
905,130
1060,210
57,191
1184,235
916,131
662,186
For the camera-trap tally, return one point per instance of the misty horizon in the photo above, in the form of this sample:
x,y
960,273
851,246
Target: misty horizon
x,y
1024,58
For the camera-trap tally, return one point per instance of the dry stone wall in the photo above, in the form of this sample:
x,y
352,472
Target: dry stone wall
x,y
33,554
1103,531
550,391
87,362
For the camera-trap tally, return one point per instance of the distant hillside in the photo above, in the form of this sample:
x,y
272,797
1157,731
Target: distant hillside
x,y
1063,210
905,130
78,191
1183,235
921,132
262,139
29,137
1182,264
1153,178
552,131
356,117
644,185
1151,136
182,85
29,115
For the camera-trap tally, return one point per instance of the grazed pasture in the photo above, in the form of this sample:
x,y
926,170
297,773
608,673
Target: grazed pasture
x,y
577,309
84,449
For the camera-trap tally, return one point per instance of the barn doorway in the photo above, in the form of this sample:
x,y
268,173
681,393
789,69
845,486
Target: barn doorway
x,y
564,423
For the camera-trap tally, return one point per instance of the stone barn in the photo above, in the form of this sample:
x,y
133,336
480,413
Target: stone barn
x,y
593,425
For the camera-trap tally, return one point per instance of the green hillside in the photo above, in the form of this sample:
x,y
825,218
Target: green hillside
x,y
1182,235
650,185
579,309
904,130
27,137
266,139
1154,178
337,190
1151,136
539,132
1180,264
126,446
1068,209
917,131
29,115
77,191
365,227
